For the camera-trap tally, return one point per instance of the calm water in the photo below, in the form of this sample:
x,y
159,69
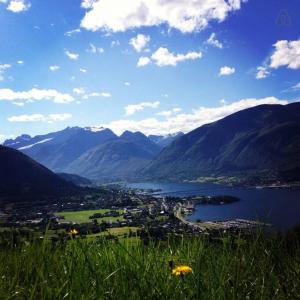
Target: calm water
x,y
281,207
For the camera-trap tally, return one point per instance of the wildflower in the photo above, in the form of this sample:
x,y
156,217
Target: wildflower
x,y
73,232
182,270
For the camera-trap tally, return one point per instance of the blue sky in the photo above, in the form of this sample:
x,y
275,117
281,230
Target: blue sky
x,y
155,66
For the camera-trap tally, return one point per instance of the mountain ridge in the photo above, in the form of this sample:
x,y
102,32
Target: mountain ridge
x,y
256,141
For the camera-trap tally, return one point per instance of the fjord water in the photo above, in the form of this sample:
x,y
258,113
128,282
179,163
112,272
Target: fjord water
x,y
278,206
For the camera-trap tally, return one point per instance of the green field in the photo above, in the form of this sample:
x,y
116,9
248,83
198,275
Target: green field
x,y
118,231
83,216
261,267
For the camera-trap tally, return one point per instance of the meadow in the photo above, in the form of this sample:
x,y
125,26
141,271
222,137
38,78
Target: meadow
x,y
83,216
258,267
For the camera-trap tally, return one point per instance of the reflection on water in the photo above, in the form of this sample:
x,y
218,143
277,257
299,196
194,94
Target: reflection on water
x,y
281,207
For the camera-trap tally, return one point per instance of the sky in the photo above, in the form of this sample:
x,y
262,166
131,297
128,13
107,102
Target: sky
x,y
156,66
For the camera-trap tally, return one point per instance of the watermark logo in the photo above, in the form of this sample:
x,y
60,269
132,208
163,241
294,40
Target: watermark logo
x,y
284,19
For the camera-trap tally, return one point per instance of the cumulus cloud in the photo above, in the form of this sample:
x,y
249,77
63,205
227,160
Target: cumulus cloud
x,y
40,118
127,83
163,57
186,122
18,6
83,70
287,53
143,61
54,68
139,42
262,72
184,15
134,108
169,113
73,56
35,95
213,41
226,71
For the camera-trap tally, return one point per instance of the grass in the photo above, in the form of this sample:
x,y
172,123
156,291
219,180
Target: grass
x,y
83,216
118,231
261,268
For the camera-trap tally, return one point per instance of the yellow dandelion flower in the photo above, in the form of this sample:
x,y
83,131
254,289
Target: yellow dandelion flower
x,y
182,270
73,232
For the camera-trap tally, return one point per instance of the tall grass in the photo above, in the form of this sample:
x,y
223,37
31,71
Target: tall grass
x,y
259,268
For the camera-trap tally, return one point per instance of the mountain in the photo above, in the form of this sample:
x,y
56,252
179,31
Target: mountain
x,y
75,179
164,140
59,149
118,159
95,153
262,141
20,176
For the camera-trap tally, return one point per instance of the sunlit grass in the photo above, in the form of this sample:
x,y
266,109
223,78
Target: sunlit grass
x,y
83,216
101,269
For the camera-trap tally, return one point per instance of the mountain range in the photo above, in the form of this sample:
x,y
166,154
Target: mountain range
x,y
259,142
95,153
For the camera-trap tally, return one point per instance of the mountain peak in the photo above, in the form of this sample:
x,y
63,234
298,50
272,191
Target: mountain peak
x,y
136,135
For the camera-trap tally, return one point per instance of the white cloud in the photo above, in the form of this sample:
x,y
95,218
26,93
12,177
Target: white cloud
x,y
169,113
35,95
73,56
287,53
262,72
187,122
87,3
82,70
184,15
115,43
3,68
163,57
143,61
94,49
40,118
139,42
127,83
79,91
296,87
54,68
20,104
213,41
20,62
226,71
105,95
133,108
17,6
72,32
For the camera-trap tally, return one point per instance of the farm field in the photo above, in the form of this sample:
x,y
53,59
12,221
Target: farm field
x,y
83,216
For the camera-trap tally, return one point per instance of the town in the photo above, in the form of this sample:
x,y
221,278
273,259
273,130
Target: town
x,y
114,212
